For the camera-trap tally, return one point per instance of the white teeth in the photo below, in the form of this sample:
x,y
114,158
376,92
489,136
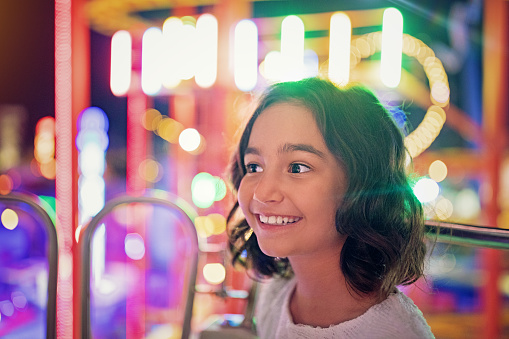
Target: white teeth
x,y
277,220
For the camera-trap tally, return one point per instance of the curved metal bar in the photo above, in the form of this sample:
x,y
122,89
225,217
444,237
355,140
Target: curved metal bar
x,y
468,235
51,307
86,239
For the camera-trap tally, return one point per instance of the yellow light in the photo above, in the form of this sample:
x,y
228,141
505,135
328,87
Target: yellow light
x,y
9,219
150,170
189,139
150,119
443,209
120,68
437,170
204,226
467,204
440,93
392,47
207,35
48,169
44,144
172,50
420,139
339,48
218,222
214,273
169,129
212,224
151,56
188,43
292,47
245,55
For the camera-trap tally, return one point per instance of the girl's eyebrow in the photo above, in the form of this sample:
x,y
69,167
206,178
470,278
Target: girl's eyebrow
x,y
251,150
287,148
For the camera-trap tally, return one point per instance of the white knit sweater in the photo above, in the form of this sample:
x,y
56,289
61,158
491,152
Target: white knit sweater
x,y
395,317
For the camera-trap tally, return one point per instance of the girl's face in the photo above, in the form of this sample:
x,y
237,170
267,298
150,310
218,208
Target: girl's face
x,y
293,185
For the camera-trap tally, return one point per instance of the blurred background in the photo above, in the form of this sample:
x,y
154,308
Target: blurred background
x,y
102,99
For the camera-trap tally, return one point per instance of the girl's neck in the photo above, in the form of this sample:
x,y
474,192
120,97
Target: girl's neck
x,y
322,296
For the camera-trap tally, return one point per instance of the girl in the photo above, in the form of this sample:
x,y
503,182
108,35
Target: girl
x,y
329,215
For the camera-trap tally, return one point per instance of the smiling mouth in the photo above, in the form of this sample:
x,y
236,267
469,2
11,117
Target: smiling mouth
x,y
277,220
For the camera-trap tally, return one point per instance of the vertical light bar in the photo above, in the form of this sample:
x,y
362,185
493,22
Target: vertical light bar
x,y
120,69
63,179
339,48
207,35
245,55
151,55
172,51
188,52
92,142
392,47
292,47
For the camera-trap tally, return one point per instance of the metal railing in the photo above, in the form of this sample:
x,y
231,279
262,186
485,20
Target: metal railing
x,y
468,235
49,226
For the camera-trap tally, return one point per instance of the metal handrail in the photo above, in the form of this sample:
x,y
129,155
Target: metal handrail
x,y
468,235
51,307
86,239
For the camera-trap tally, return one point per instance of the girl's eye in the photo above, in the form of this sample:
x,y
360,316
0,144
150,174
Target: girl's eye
x,y
253,168
298,168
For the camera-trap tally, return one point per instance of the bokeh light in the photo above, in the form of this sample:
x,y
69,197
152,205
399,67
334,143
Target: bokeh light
x,y
292,48
444,208
19,300
7,308
44,148
169,129
189,139
467,204
134,246
426,190
392,47
206,188
6,184
188,48
214,273
206,53
437,170
151,119
120,66
150,170
171,52
9,219
203,190
245,55
212,224
272,67
151,77
339,48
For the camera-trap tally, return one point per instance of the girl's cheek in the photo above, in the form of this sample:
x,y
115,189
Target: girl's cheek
x,y
242,196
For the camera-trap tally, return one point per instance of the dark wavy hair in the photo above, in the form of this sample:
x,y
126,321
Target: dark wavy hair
x,y
380,216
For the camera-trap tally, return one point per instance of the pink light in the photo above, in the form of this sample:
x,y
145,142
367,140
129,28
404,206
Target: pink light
x,y
63,180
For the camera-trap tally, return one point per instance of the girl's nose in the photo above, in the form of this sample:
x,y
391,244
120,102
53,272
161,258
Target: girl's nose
x,y
268,189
